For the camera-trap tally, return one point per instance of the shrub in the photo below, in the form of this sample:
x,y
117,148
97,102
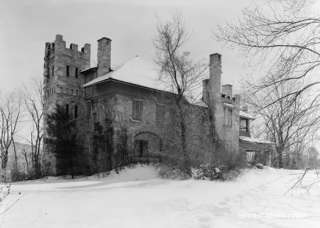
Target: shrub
x,y
171,172
17,175
206,172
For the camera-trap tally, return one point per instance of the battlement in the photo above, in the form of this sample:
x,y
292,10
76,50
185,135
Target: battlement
x,y
59,45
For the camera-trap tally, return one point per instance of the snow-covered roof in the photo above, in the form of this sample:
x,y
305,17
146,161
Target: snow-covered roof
x,y
200,103
137,71
242,113
228,105
246,115
143,72
254,140
88,68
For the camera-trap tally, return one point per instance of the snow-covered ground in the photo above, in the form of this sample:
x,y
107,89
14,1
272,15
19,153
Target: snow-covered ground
x,y
137,197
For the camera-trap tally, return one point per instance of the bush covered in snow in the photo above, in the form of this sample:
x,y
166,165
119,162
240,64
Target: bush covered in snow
x,y
170,172
4,191
210,172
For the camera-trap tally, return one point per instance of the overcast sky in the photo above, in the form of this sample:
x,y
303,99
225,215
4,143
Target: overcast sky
x,y
27,25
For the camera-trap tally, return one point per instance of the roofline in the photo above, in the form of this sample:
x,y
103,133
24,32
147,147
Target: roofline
x,y
89,69
104,38
110,79
246,117
257,142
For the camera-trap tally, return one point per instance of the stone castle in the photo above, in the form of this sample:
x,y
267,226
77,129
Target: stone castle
x,y
122,114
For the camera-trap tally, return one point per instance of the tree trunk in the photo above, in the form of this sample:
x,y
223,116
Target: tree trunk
x,y
15,156
3,176
280,153
186,159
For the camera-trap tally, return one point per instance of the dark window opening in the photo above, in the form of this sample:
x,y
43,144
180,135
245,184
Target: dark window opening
x,y
75,111
52,71
67,109
76,72
68,71
244,125
137,109
141,148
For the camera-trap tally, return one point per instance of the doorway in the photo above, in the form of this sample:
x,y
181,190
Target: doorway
x,y
141,148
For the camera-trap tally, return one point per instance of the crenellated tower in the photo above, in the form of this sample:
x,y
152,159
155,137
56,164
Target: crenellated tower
x,y
62,67
63,79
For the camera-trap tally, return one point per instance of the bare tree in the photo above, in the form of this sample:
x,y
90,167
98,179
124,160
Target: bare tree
x,y
178,71
33,100
10,110
282,35
289,121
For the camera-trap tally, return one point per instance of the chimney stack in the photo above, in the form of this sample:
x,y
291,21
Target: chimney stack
x,y
104,56
205,91
227,90
215,74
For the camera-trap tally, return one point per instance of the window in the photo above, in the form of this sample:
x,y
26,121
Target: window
x,y
244,125
67,109
137,107
76,72
160,112
251,156
52,71
75,111
228,116
68,70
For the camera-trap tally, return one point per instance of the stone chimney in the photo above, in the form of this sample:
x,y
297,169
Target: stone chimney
x,y
215,74
104,56
227,90
205,93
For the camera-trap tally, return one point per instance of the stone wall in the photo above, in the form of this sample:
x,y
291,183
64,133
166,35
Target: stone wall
x,y
163,137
